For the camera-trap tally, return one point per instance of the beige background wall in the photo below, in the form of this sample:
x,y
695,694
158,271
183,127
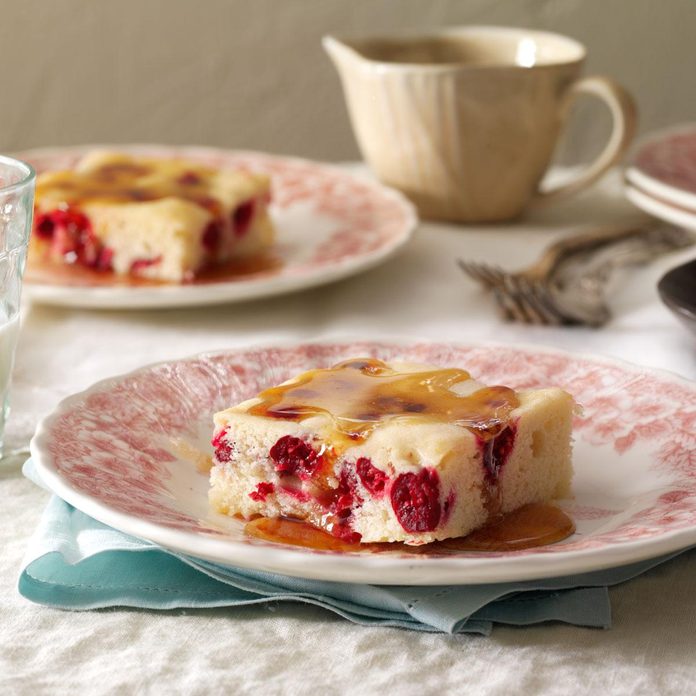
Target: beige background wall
x,y
252,74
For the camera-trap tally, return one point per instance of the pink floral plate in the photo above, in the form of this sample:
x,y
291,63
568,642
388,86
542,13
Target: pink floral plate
x,y
663,167
658,208
330,225
125,450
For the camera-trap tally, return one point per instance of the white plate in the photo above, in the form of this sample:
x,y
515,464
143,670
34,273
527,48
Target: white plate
x,y
114,452
660,209
663,165
330,225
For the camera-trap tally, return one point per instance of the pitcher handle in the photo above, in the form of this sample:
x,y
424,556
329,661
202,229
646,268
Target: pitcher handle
x,y
624,119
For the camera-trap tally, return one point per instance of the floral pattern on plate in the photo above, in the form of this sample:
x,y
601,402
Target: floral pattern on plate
x,y
115,451
663,170
670,158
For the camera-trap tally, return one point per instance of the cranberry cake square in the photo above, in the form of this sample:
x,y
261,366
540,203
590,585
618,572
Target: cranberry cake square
x,y
375,452
163,219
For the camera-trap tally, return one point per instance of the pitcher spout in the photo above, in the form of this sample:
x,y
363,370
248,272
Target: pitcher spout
x,y
344,57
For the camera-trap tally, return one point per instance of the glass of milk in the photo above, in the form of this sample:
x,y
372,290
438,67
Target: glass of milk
x,y
16,207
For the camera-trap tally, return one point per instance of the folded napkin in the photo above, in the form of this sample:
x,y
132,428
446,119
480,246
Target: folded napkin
x,y
75,562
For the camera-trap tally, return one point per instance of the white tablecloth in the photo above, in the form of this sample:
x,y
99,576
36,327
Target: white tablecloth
x,y
297,649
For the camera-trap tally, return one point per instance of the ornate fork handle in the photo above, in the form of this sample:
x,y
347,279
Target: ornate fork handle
x,y
577,287
624,251
584,243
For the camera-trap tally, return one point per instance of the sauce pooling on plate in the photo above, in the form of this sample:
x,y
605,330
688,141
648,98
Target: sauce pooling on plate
x,y
42,271
537,524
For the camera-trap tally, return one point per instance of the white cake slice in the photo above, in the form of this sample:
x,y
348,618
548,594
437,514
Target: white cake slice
x,y
373,452
164,219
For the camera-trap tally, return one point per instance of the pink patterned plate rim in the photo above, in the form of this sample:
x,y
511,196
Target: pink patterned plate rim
x,y
330,225
121,452
663,165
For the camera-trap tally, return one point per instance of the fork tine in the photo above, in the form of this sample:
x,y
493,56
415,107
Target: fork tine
x,y
507,308
526,310
535,302
482,272
517,297
493,278
473,271
541,302
495,274
517,305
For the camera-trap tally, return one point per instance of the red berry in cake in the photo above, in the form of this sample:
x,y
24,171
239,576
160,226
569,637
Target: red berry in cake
x,y
223,449
296,493
346,500
105,259
263,490
415,499
346,534
70,235
44,226
346,496
189,179
140,264
374,479
212,236
294,457
241,218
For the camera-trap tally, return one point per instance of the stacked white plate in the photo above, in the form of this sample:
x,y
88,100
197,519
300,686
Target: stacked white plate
x,y
661,175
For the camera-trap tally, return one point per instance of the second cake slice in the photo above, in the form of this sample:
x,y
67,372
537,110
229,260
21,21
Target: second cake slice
x,y
163,219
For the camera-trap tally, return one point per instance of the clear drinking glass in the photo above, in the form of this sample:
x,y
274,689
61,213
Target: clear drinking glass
x,y
16,208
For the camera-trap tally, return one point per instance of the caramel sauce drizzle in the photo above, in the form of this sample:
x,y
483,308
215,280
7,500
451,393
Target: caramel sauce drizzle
x,y
361,393
130,182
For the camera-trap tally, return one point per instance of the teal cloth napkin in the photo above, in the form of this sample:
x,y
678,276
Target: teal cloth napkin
x,y
75,562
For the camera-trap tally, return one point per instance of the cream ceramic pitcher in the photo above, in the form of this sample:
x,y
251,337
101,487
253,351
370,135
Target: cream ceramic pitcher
x,y
465,121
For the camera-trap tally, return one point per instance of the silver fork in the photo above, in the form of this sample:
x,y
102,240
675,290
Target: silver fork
x,y
567,285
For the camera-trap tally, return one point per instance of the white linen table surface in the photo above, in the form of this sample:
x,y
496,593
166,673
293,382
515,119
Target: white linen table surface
x,y
296,649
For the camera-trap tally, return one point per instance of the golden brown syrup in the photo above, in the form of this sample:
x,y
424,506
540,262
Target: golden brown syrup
x,y
127,181
537,524
359,394
297,533
46,272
